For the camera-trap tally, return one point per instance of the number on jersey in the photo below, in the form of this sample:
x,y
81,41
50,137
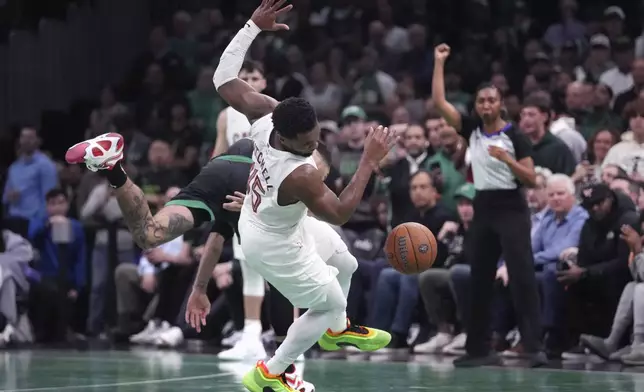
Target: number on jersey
x,y
255,188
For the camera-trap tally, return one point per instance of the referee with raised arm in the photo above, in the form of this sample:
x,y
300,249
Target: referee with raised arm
x,y
501,166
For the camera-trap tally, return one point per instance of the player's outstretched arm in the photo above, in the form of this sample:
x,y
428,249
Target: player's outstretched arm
x,y
209,259
307,185
241,96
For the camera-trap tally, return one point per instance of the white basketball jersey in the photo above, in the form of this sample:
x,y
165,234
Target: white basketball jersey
x,y
270,168
237,126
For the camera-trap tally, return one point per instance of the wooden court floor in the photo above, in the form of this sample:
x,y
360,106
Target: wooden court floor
x,y
152,371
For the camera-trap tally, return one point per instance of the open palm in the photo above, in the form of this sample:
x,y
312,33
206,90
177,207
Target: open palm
x,y
265,16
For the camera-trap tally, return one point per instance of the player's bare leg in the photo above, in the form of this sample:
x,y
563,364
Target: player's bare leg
x,y
105,152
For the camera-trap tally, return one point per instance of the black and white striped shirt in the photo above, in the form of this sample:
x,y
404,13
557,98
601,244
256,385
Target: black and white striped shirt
x,y
489,173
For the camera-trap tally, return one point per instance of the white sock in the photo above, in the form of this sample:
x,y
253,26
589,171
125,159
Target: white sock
x,y
252,328
339,323
346,265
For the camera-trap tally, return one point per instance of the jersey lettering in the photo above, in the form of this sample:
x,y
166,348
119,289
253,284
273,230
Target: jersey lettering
x,y
255,188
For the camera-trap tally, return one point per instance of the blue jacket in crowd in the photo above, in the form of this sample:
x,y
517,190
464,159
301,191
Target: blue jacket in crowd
x,y
48,265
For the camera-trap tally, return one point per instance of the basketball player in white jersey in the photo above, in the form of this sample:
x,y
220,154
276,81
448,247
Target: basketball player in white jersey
x,y
283,185
231,124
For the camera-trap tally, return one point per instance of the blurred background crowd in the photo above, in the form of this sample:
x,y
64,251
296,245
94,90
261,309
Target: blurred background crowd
x,y
572,78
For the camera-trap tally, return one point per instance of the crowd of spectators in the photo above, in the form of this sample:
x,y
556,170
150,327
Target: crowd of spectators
x,y
574,87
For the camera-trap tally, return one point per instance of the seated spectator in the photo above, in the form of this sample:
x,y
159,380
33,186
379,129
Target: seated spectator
x,y
60,242
416,156
367,247
101,119
601,117
158,176
611,172
595,272
628,187
548,150
162,271
628,312
629,154
396,295
537,197
559,230
589,169
15,254
101,209
184,139
435,284
226,297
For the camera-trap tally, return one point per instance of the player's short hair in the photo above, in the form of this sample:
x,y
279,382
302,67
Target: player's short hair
x,y
294,116
252,66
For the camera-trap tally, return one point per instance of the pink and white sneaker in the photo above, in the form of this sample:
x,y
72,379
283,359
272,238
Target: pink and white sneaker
x,y
102,152
294,380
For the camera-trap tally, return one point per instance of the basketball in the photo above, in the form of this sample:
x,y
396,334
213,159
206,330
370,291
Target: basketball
x,y
411,248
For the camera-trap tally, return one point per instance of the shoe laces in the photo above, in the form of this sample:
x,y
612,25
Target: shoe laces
x,y
357,329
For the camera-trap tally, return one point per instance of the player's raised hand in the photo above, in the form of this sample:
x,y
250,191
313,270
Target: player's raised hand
x,y
265,16
441,52
378,144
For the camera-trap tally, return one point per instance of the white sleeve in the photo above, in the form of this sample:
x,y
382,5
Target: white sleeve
x,y
233,57
612,157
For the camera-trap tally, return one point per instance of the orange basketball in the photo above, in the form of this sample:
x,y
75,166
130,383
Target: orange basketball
x,y
411,248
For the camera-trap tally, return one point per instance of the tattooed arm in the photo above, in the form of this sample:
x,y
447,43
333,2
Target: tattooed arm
x,y
147,230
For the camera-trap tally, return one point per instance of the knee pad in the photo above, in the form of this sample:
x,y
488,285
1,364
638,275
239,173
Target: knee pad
x,y
253,283
345,262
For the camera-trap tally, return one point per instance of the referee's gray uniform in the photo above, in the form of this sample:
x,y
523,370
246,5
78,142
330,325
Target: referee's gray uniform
x,y
501,227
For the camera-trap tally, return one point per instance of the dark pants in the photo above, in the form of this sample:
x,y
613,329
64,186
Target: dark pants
x,y
235,298
99,289
587,306
460,281
395,302
501,227
51,310
174,282
363,284
437,295
280,313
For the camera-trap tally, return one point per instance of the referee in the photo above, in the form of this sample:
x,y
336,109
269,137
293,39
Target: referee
x,y
501,165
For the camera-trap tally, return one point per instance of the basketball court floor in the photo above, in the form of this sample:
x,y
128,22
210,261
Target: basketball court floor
x,y
157,371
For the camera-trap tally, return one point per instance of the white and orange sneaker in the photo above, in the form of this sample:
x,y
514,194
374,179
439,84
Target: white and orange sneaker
x,y
102,152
